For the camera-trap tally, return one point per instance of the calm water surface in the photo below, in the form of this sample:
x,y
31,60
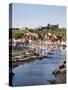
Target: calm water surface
x,y
38,72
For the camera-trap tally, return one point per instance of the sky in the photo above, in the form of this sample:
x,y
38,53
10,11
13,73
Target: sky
x,y
34,15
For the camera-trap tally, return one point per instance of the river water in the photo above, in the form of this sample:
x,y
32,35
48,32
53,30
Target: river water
x,y
38,72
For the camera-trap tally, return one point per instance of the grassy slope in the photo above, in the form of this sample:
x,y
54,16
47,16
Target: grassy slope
x,y
59,31
17,32
23,32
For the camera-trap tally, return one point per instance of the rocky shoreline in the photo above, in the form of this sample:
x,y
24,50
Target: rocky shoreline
x,y
60,74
